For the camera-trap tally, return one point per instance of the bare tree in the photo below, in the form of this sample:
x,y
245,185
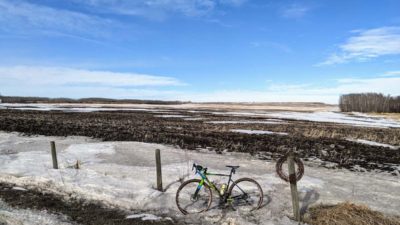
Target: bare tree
x,y
369,102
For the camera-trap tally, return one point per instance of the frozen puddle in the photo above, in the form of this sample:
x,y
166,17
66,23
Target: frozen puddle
x,y
257,132
123,175
11,216
373,143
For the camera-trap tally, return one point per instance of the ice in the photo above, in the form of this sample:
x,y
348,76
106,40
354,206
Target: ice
x,y
123,175
257,132
373,143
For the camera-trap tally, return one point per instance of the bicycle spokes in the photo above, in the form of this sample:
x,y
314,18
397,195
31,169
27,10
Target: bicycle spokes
x,y
246,195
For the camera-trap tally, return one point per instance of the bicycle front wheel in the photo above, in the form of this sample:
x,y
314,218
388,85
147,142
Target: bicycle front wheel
x,y
246,195
191,201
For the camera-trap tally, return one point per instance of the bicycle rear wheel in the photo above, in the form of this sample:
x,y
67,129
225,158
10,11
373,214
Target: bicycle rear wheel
x,y
246,195
188,203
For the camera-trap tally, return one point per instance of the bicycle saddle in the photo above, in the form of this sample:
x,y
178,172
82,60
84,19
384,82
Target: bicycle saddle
x,y
233,167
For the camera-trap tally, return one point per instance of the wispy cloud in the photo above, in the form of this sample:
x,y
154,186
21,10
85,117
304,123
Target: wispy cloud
x,y
27,18
278,92
38,77
159,9
295,11
69,82
366,45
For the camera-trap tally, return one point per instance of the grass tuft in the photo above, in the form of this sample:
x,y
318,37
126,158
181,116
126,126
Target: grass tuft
x,y
347,214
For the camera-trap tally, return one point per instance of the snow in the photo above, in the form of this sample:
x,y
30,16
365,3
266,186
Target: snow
x,y
194,118
247,122
336,117
373,143
257,132
353,119
144,216
62,107
19,189
12,216
122,174
172,116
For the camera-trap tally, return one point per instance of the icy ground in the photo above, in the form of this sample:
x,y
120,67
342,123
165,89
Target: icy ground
x,y
122,174
373,143
11,216
353,119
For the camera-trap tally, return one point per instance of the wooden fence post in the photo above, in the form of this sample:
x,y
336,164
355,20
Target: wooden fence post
x,y
54,154
293,187
158,167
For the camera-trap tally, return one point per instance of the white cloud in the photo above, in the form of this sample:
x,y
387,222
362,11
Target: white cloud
x,y
22,17
77,83
367,44
303,92
295,11
39,77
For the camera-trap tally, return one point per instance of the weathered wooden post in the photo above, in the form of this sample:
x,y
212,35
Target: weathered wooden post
x,y
158,167
54,154
293,187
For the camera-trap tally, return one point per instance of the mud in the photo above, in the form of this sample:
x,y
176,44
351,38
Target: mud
x,y
78,211
316,141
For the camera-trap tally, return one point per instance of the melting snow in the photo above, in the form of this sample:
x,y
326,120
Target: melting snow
x,y
247,122
123,174
144,216
172,116
257,132
373,143
335,117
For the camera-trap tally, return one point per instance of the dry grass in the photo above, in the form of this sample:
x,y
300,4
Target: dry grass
x,y
347,214
393,116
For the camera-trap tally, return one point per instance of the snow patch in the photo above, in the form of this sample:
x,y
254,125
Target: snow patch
x,y
144,216
246,122
257,132
172,116
373,143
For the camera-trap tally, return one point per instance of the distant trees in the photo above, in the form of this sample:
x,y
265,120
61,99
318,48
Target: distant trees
x,y
22,99
369,102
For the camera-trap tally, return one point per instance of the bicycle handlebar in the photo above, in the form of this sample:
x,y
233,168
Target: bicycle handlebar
x,y
199,168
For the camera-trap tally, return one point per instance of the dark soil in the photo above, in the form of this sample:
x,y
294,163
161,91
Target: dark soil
x,y
78,211
323,141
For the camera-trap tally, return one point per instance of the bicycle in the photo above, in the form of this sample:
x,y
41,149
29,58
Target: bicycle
x,y
195,195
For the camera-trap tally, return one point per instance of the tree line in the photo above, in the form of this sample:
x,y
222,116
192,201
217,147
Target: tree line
x,y
24,99
369,102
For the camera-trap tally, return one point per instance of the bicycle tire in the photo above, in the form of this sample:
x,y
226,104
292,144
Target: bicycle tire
x,y
194,182
259,199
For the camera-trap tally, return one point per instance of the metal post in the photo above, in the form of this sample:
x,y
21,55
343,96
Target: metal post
x,y
158,167
54,154
293,187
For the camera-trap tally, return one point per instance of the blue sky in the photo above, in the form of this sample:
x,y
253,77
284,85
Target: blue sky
x,y
199,50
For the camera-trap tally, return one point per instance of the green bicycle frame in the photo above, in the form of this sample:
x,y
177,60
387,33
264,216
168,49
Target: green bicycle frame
x,y
204,179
